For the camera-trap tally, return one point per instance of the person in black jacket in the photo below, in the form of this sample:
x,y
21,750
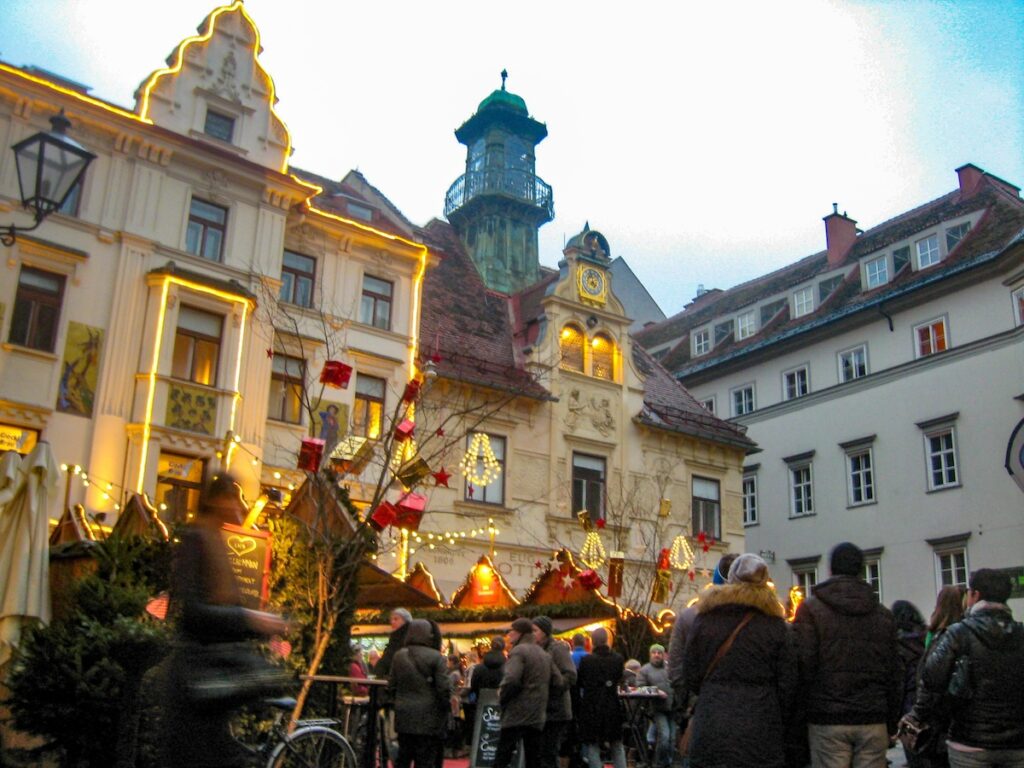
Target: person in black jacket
x,y
987,726
744,702
600,717
488,673
850,675
910,635
399,620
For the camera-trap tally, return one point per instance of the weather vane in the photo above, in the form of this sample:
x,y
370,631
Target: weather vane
x,y
504,77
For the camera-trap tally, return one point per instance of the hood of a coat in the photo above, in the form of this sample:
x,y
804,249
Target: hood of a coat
x,y
847,595
994,627
420,633
760,598
494,659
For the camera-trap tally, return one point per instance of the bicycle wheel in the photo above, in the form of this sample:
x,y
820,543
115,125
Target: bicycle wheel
x,y
314,746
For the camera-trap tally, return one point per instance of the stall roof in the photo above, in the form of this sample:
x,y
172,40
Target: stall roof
x,y
379,590
474,628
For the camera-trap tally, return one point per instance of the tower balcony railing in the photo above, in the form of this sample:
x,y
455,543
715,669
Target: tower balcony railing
x,y
519,185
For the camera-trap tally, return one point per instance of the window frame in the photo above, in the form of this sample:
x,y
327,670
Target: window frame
x,y
206,225
794,393
563,358
494,439
796,494
841,357
709,404
932,337
699,512
951,451
363,401
805,577
231,122
753,399
197,336
297,277
881,273
1017,297
37,298
193,488
866,475
606,359
287,380
748,491
583,479
952,551
798,302
933,253
958,231
873,580
376,299
701,341
746,325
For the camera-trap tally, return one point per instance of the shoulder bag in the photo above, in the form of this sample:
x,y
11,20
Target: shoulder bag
x,y
684,740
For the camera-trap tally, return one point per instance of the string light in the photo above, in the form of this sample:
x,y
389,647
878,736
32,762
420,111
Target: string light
x,y
432,539
480,455
593,553
681,555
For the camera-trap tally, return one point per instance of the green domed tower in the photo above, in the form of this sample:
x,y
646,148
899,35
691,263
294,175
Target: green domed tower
x,y
499,203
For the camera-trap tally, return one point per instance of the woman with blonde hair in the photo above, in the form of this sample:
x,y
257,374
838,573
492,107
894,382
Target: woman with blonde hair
x,y
949,609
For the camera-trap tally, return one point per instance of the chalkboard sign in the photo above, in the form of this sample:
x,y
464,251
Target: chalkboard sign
x,y
487,731
249,553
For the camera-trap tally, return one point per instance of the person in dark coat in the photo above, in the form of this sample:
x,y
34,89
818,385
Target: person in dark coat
x,y
559,712
488,673
399,620
601,717
744,703
987,726
910,636
850,675
523,695
212,620
421,689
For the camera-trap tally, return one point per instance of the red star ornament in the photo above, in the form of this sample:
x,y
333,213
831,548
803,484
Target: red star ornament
x,y
469,490
441,478
538,564
270,352
440,432
599,522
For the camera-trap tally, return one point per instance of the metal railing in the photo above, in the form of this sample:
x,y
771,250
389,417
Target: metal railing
x,y
519,185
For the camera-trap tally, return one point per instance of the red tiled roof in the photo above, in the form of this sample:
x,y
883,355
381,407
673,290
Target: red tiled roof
x,y
336,194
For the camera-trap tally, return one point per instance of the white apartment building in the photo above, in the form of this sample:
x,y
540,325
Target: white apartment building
x,y
882,379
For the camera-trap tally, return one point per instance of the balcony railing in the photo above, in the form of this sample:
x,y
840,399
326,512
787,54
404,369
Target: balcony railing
x,y
519,185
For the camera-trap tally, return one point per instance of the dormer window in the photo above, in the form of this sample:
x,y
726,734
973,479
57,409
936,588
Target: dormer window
x,y
927,251
900,259
723,331
803,302
770,310
876,272
219,126
827,287
360,212
745,325
701,342
955,234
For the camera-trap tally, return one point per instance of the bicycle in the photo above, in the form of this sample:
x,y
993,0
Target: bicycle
x,y
313,744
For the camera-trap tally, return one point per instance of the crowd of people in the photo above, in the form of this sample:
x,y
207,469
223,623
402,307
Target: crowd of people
x,y
739,685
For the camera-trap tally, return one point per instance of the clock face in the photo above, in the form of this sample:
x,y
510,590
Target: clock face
x,y
592,282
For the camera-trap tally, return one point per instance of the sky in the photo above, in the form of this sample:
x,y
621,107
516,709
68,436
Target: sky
x,y
705,140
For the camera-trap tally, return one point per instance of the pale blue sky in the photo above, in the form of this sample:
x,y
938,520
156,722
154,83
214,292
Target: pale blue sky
x,y
706,143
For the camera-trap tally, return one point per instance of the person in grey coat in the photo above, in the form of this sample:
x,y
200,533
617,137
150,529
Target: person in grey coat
x,y
421,689
559,714
655,673
523,695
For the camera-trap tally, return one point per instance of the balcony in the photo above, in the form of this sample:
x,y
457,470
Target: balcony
x,y
521,186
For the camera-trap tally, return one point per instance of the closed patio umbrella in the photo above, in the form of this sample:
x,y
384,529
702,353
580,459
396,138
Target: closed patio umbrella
x,y
24,544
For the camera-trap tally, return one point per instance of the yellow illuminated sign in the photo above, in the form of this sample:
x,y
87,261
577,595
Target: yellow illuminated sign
x,y
20,439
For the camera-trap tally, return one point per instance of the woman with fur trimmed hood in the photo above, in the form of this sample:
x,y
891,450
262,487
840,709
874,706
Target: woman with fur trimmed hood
x,y
744,702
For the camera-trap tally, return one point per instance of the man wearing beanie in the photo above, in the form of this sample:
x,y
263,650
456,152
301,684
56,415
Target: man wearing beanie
x,y
850,679
655,673
600,715
559,713
523,695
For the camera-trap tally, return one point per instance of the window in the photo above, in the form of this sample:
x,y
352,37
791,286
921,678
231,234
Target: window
x,y
70,205
940,450
955,234
375,304
219,126
930,337
861,477
952,567
701,342
827,287
750,500
795,383
287,387
571,348
205,234
494,491
927,251
707,507
179,482
745,325
853,363
37,309
743,400
770,310
723,331
359,211
873,575
602,357
588,480
197,346
876,272
803,302
900,259
298,273
368,413
709,404
805,577
801,496
1018,306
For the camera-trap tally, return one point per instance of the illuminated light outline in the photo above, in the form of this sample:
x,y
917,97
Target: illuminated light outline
x,y
151,395
120,112
180,60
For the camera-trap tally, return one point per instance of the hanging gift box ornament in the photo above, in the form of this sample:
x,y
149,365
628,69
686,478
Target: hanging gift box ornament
x,y
310,453
616,567
664,560
404,430
351,454
413,472
665,508
336,374
410,511
681,554
383,516
584,517
662,584
593,553
412,391
589,579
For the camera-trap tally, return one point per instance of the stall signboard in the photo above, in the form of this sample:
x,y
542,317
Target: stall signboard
x,y
20,439
249,553
487,731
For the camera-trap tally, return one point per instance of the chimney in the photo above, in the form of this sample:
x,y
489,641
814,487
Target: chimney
x,y
840,235
970,177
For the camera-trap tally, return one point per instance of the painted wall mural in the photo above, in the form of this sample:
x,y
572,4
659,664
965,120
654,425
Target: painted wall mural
x,y
80,370
191,409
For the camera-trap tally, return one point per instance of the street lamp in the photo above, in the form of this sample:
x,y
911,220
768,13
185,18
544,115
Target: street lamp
x,y
49,166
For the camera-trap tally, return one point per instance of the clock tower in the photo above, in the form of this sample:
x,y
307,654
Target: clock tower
x,y
498,205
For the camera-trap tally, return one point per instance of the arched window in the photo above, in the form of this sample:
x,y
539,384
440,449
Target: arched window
x,y
602,358
571,347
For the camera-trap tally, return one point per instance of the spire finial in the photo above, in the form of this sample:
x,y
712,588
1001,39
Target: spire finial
x,y
504,77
